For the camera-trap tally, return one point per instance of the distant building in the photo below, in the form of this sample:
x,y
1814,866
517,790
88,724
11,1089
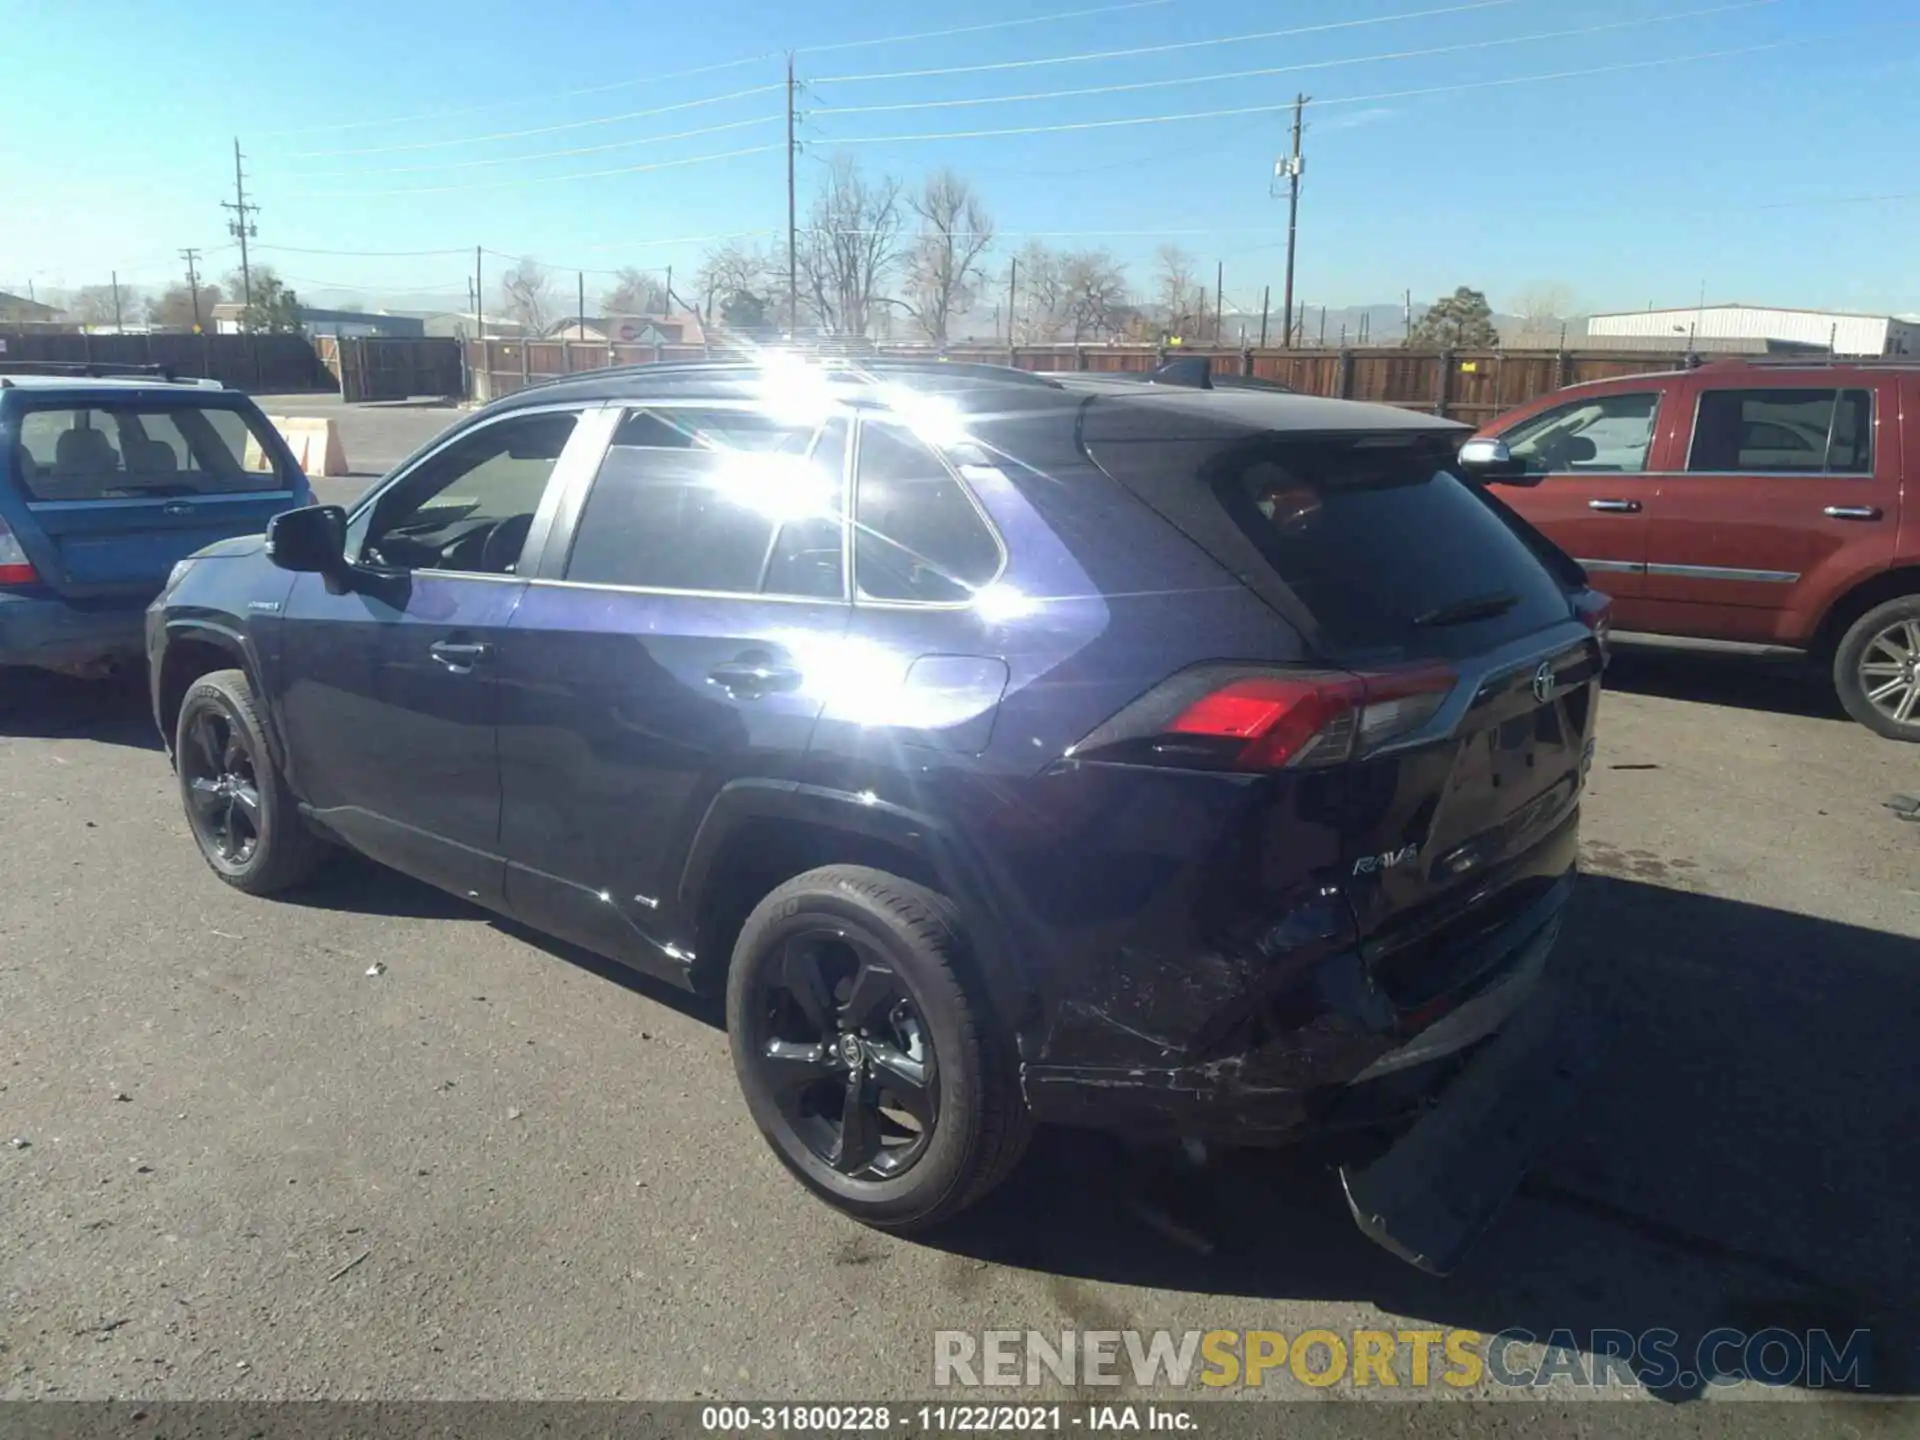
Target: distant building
x,y
18,310
681,329
1844,334
227,316
464,325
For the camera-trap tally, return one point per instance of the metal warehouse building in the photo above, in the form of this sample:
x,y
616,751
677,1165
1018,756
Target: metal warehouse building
x,y
1846,334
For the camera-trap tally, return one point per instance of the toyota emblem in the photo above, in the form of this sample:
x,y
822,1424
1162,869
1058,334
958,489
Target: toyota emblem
x,y
1543,682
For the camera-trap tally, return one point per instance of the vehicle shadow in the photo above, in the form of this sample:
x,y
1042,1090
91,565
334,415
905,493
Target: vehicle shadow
x,y
1707,677
39,705
1746,1156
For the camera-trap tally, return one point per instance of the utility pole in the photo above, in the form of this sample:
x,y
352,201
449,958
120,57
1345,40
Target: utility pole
x,y
192,257
1266,299
1323,327
580,277
117,328
1219,290
1293,167
241,227
667,307
479,301
793,223
1013,280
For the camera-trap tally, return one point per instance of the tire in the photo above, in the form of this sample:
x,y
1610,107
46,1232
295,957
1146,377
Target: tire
x,y
1877,641
247,825
856,924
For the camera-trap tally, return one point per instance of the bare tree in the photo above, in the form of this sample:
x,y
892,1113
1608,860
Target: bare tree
x,y
529,294
730,271
174,307
635,292
1178,290
1040,304
1544,303
94,305
945,263
1093,294
850,248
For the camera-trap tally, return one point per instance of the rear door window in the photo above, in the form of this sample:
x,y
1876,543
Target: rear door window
x,y
733,501
918,535
1782,431
139,450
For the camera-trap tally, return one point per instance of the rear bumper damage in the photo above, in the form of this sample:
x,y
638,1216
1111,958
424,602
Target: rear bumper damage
x,y
1461,1090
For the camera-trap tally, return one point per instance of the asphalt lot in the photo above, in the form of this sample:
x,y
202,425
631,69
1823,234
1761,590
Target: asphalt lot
x,y
503,1168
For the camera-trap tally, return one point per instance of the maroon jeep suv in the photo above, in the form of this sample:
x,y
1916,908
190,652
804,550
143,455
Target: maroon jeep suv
x,y
1746,501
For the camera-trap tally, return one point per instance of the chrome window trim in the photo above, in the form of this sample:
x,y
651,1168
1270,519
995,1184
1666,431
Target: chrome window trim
x,y
1873,433
124,502
1613,567
362,512
874,602
557,541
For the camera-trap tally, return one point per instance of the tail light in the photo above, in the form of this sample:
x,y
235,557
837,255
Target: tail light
x,y
1252,718
1596,613
15,568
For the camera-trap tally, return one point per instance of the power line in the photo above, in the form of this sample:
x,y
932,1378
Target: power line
x,y
1292,69
1166,48
536,179
765,55
524,100
538,129
1352,99
538,155
362,254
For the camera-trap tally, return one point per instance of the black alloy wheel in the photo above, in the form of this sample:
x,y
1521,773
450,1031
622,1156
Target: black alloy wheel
x,y
846,1054
220,774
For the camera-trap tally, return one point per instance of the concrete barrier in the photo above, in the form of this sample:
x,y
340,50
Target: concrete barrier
x,y
315,444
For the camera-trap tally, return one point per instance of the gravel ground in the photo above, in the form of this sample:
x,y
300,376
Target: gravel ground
x,y
501,1168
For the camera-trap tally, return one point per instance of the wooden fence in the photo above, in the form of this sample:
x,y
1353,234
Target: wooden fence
x,y
1467,385
264,363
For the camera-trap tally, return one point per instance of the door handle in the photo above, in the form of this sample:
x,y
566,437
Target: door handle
x,y
750,679
176,507
1852,512
460,656
1622,507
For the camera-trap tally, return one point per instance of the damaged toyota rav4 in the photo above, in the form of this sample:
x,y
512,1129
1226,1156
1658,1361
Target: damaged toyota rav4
x,y
1203,765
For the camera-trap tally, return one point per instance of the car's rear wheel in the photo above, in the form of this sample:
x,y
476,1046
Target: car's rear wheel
x,y
867,1061
244,819
1876,669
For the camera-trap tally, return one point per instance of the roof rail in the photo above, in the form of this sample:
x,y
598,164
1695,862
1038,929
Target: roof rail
x,y
850,364
92,369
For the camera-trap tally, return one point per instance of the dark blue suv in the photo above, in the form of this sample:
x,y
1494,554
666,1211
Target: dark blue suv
x,y
105,482
1200,764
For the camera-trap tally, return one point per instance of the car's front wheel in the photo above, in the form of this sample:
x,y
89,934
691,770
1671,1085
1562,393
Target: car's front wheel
x,y
867,1061
1876,669
244,819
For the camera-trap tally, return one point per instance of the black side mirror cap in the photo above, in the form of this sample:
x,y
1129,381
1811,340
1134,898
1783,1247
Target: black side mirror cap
x,y
311,540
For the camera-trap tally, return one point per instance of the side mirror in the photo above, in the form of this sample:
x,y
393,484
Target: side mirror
x,y
1491,460
311,540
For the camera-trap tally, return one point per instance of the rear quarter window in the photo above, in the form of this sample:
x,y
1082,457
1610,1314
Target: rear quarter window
x,y
135,450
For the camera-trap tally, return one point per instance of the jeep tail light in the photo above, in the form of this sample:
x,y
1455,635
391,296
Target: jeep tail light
x,y
1247,718
15,568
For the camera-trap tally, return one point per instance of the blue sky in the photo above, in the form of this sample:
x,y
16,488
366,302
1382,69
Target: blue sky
x,y
1744,171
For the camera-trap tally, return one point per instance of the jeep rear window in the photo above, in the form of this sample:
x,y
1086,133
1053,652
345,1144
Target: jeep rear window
x,y
1383,548
133,450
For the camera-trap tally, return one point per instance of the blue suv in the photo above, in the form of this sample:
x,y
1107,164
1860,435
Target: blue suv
x,y
105,483
1199,764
